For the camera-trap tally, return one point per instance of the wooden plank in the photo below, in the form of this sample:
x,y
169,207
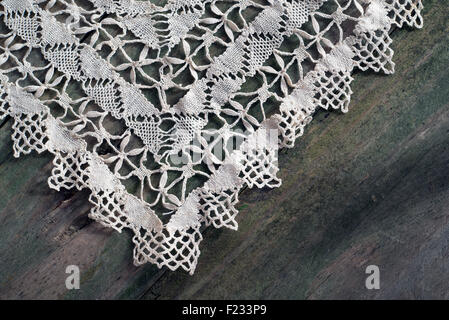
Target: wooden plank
x,y
43,231
369,187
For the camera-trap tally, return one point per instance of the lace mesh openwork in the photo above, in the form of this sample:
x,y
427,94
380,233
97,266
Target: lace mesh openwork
x,y
164,110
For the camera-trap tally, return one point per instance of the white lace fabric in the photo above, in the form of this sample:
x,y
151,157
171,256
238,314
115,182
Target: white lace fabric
x,y
117,89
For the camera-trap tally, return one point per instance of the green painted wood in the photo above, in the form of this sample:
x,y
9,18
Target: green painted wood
x,y
368,187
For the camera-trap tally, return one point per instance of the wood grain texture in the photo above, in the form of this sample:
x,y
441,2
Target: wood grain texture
x,y
368,187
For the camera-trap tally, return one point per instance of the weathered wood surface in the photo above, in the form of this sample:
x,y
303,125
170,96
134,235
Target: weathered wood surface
x,y
369,187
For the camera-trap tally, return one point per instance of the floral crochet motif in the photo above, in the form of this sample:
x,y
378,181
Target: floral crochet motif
x,y
166,112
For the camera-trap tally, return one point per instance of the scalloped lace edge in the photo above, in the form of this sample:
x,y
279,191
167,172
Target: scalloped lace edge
x,y
176,244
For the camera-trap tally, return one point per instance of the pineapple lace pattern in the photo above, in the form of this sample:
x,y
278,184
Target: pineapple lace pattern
x,y
165,112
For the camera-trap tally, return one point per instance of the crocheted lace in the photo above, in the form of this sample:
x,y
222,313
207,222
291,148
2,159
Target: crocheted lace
x,y
166,111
